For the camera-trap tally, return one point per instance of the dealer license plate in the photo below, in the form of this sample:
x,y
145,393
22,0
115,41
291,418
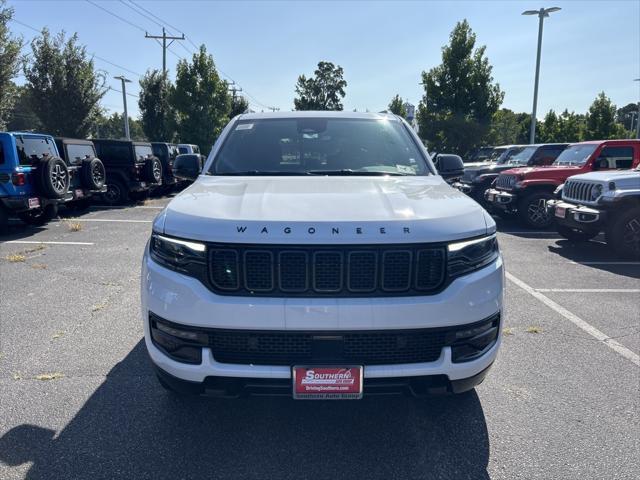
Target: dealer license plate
x,y
561,212
327,383
79,193
491,197
34,202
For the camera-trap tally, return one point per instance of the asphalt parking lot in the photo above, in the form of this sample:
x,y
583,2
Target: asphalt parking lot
x,y
78,398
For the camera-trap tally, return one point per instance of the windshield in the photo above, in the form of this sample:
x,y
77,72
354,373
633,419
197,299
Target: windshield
x,y
496,154
31,149
576,155
142,151
522,156
303,146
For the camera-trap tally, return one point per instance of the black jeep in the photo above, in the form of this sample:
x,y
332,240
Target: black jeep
x,y
167,153
86,171
132,169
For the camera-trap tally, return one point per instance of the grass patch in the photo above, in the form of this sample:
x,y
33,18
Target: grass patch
x,y
98,307
49,376
534,329
39,266
73,226
507,331
57,335
16,257
17,376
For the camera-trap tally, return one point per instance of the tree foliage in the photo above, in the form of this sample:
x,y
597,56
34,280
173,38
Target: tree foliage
x,y
112,126
9,63
460,97
238,105
397,106
64,88
201,100
157,115
323,91
22,117
601,120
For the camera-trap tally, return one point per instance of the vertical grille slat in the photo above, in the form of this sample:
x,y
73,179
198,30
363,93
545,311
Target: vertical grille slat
x,y
316,271
578,191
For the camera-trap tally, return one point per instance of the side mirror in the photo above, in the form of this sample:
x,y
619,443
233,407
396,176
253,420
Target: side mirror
x,y
187,166
449,166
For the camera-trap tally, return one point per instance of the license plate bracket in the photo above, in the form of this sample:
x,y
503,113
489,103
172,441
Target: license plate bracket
x,y
327,382
560,212
34,203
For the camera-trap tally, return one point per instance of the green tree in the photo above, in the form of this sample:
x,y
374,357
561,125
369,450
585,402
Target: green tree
x,y
601,120
201,100
460,97
571,127
64,88
397,106
550,129
22,117
627,114
238,105
157,115
112,126
323,91
9,63
505,128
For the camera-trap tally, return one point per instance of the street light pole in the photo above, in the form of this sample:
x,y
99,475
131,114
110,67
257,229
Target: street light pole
x,y
124,100
638,116
542,13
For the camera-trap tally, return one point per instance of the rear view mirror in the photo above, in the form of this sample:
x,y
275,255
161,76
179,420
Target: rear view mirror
x,y
449,166
187,166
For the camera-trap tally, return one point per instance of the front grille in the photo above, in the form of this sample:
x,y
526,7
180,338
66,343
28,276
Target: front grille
x,y
506,182
252,270
578,191
290,348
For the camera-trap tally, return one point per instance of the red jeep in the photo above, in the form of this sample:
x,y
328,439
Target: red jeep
x,y
525,191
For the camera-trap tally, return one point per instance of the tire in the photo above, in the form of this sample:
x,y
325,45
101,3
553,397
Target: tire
x,y
576,235
623,234
38,218
117,192
532,210
4,220
93,174
52,178
153,170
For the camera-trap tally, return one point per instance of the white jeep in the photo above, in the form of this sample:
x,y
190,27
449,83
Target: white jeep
x,y
597,202
320,255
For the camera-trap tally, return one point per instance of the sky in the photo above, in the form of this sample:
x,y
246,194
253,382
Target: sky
x,y
383,46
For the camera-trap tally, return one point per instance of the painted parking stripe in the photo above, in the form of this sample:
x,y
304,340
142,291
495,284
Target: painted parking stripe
x,y
588,290
605,263
103,207
529,232
28,242
577,321
111,220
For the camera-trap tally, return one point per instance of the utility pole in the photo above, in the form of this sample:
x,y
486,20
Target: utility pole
x,y
164,38
233,89
542,13
638,116
124,100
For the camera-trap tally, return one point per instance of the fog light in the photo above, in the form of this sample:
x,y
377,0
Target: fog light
x,y
473,342
179,344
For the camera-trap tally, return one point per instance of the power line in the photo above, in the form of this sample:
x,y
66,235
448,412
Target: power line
x,y
140,13
115,15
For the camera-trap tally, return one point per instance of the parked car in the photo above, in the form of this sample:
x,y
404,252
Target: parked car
x,y
188,148
476,181
34,180
321,255
167,153
597,202
131,169
86,171
525,191
480,154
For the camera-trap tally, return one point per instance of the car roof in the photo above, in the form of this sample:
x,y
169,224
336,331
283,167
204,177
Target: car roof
x,y
599,142
78,141
317,114
30,134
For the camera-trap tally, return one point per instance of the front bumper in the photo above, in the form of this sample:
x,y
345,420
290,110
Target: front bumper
x,y
184,300
467,188
500,199
577,216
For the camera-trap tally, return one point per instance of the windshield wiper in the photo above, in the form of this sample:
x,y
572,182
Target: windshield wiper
x,y
348,171
265,173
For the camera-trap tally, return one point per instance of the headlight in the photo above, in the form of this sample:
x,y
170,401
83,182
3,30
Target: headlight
x,y
464,257
180,255
596,191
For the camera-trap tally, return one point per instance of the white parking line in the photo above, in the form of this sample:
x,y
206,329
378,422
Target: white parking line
x,y
114,220
28,242
529,232
605,263
102,207
577,321
589,290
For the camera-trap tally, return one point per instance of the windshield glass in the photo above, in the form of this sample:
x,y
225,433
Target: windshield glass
x,y
142,151
31,149
299,146
496,154
522,156
575,155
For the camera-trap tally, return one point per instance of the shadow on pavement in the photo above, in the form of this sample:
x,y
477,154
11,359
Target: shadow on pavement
x,y
131,428
596,254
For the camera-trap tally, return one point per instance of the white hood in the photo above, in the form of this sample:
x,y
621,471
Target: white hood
x,y
323,209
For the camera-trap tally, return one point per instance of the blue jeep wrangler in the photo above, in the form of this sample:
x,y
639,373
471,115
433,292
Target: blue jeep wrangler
x,y
34,180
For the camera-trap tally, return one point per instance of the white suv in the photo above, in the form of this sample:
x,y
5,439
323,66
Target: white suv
x,y
320,255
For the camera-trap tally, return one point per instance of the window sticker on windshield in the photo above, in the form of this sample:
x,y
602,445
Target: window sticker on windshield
x,y
406,168
412,161
245,126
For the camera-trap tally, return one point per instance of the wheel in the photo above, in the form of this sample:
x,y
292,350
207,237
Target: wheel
x,y
93,173
623,233
117,193
153,170
53,178
4,220
39,217
576,235
532,210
